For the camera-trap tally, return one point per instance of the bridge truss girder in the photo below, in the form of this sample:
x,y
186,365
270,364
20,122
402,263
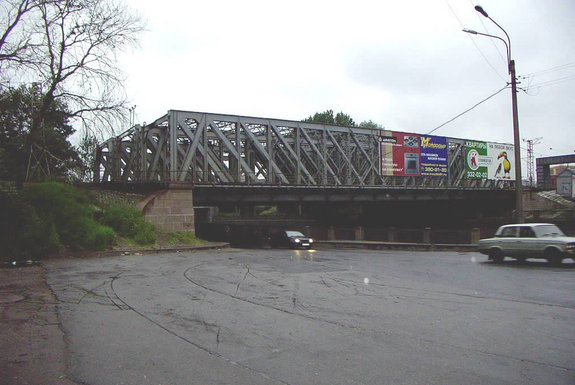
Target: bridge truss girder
x,y
206,149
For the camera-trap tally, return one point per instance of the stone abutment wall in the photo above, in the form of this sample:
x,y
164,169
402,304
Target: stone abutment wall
x,y
171,209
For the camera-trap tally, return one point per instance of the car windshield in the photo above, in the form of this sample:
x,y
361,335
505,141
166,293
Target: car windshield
x,y
549,231
294,234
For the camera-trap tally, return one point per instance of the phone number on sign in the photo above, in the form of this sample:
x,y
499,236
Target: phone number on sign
x,y
477,174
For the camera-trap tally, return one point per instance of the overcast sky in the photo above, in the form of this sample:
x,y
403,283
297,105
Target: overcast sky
x,y
403,64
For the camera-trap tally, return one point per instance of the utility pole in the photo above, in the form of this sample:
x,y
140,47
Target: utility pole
x,y
519,215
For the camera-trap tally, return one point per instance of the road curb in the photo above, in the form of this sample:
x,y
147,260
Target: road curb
x,y
115,252
175,249
375,245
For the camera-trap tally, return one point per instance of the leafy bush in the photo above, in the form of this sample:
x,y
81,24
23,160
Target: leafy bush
x,y
129,222
100,237
71,213
123,219
146,234
23,234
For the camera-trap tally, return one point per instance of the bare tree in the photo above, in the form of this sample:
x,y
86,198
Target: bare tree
x,y
69,47
15,41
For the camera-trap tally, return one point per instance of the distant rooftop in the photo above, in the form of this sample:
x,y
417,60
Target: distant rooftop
x,y
553,196
567,171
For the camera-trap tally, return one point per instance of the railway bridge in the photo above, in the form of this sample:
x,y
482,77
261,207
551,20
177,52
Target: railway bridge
x,y
245,161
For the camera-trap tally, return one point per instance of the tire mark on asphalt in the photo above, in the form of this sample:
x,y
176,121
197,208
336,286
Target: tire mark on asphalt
x,y
182,338
384,332
477,296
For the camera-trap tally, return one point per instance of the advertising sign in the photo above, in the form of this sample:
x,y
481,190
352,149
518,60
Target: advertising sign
x,y
503,165
485,160
433,156
400,154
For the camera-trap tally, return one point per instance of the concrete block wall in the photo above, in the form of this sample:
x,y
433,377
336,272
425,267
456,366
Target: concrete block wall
x,y
171,210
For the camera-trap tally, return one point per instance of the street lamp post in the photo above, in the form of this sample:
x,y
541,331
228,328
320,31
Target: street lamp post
x,y
519,215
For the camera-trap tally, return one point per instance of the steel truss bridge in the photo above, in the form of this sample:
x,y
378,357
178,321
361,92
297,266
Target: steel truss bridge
x,y
207,149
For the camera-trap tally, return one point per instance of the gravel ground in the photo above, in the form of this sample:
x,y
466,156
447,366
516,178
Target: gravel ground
x,y
32,348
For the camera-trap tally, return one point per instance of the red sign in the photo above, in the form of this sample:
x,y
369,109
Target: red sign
x,y
400,154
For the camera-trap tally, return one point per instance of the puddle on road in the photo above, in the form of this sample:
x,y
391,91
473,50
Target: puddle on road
x,y
307,255
303,261
290,260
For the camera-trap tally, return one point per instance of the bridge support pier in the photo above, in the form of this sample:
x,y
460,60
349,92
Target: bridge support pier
x,y
427,235
475,235
331,233
359,233
171,209
391,234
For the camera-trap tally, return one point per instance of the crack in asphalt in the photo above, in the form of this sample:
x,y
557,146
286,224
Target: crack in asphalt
x,y
182,338
384,332
243,279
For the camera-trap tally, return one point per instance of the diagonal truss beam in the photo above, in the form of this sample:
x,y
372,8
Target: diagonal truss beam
x,y
225,149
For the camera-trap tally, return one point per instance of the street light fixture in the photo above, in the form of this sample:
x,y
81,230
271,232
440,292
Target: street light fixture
x,y
519,215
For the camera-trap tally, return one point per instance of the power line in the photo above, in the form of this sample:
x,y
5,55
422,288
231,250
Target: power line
x,y
551,82
474,43
533,84
466,111
497,48
552,69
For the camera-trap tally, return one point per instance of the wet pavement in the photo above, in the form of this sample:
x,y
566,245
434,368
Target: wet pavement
x,y
315,317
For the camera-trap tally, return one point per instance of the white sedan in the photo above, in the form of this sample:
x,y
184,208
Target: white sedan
x,y
528,240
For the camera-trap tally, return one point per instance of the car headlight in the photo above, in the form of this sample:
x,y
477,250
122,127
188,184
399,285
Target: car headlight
x,y
297,240
311,240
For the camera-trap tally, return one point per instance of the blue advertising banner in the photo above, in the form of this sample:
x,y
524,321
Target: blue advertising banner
x,y
434,156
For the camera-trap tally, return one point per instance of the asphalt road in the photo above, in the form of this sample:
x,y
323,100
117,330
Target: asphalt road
x,y
316,317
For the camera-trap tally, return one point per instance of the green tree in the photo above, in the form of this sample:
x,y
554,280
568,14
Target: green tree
x,y
371,124
87,152
328,117
34,155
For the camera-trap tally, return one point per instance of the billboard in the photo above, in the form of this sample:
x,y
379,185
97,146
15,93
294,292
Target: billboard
x,y
405,154
400,154
434,156
486,160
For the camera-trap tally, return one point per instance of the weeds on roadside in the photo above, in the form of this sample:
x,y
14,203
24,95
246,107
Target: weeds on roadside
x,y
44,218
128,222
182,238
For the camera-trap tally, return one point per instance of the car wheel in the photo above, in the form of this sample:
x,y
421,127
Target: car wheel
x,y
553,257
496,255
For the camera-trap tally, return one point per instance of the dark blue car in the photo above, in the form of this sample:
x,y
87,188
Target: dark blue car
x,y
292,239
